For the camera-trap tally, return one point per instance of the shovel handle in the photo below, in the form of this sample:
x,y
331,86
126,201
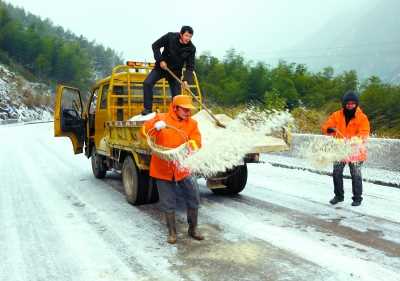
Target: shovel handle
x,y
196,98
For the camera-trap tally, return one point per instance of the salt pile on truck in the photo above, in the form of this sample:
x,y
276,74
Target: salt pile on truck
x,y
105,131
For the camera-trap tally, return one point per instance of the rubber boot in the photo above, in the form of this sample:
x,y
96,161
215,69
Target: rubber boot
x,y
192,215
171,225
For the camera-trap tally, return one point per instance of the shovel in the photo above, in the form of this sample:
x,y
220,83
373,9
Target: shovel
x,y
219,124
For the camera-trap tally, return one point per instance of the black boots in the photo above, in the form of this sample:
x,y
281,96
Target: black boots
x,y
356,203
171,225
192,215
336,200
146,111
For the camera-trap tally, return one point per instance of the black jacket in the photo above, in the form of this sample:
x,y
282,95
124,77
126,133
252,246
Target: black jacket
x,y
175,54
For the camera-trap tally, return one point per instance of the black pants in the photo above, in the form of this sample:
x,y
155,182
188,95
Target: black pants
x,y
356,179
148,85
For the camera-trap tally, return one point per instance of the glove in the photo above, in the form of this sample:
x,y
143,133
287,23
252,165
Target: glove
x,y
331,130
160,125
185,85
192,145
163,64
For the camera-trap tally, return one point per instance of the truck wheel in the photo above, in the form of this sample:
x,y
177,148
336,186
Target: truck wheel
x,y
98,166
135,191
235,182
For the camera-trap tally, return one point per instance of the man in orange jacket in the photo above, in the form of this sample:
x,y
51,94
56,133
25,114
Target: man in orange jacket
x,y
346,123
171,130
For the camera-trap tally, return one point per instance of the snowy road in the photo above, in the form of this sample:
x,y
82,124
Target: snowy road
x,y
57,222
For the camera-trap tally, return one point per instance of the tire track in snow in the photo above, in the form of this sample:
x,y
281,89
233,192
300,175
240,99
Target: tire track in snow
x,y
344,263
47,258
11,255
244,239
70,245
378,213
115,224
280,266
371,239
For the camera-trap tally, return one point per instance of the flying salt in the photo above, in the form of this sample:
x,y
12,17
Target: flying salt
x,y
225,148
323,151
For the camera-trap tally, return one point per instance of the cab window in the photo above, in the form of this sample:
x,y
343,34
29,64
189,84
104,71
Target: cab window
x,y
93,102
71,103
104,95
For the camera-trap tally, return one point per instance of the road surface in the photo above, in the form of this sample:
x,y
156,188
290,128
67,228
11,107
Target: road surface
x,y
57,222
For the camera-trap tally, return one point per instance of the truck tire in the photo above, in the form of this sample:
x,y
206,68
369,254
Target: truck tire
x,y
139,188
98,166
235,182
130,181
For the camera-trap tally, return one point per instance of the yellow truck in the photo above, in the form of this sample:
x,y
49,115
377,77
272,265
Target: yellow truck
x,y
101,128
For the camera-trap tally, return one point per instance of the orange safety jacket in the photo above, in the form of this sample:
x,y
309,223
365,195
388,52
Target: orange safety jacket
x,y
357,127
170,137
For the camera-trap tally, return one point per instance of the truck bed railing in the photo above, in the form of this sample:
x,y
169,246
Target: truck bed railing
x,y
125,92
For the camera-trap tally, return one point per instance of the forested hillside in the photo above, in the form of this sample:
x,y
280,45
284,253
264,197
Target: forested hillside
x,y
48,51
309,95
50,54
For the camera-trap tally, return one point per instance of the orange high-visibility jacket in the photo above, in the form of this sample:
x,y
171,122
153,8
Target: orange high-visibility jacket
x,y
169,137
357,127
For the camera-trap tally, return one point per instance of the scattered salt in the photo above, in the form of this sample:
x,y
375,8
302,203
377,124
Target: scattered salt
x,y
322,151
224,148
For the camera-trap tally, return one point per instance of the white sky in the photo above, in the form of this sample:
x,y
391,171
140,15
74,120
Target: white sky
x,y
254,27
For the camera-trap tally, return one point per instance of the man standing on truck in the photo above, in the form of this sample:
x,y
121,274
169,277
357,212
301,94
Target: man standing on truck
x,y
347,123
170,130
178,50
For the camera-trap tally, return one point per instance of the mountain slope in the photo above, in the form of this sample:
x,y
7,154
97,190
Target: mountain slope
x,y
23,100
367,41
45,54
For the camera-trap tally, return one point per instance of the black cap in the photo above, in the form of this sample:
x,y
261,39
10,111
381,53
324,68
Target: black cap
x,y
350,96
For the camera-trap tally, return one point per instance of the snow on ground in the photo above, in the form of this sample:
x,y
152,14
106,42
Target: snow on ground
x,y
60,223
368,173
304,196
72,230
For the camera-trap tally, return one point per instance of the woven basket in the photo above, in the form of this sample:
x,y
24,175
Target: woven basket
x,y
168,153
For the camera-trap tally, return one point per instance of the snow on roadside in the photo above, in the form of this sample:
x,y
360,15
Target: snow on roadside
x,y
12,106
368,173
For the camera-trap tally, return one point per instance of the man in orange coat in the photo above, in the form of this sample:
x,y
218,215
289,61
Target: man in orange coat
x,y
346,123
171,130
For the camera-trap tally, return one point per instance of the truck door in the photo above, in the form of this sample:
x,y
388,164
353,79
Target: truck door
x,y
68,120
90,121
101,116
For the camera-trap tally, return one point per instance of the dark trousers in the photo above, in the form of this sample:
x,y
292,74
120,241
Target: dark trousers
x,y
148,85
169,191
356,179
